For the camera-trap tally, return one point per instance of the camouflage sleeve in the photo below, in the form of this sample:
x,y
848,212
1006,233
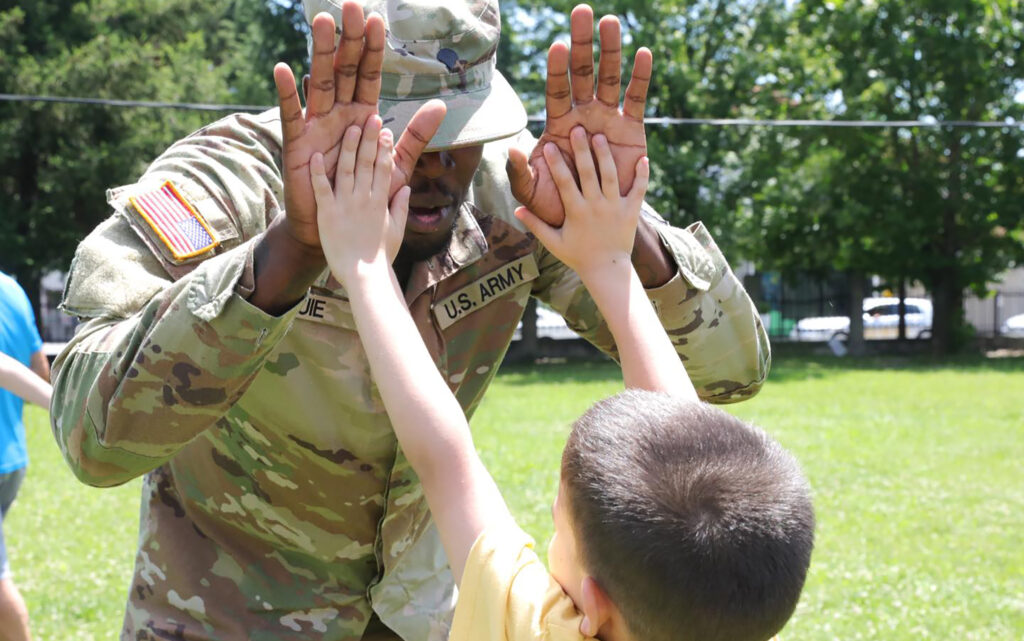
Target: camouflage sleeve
x,y
705,310
129,393
708,315
166,345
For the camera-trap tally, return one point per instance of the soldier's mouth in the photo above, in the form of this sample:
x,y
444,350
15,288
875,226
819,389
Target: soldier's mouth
x,y
424,220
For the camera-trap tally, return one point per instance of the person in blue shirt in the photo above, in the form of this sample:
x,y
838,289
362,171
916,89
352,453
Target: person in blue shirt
x,y
20,350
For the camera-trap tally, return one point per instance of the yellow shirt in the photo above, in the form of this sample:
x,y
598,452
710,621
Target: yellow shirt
x,y
508,595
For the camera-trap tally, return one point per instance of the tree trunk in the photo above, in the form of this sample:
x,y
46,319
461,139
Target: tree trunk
x,y
948,291
529,339
30,282
901,333
855,341
947,303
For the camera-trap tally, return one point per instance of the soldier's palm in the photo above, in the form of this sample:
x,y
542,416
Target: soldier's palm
x,y
320,134
626,139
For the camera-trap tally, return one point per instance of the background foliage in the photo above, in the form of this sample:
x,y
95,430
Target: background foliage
x,y
57,160
934,205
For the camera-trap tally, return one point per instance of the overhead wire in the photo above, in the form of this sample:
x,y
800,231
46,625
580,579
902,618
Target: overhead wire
x,y
193,106
653,120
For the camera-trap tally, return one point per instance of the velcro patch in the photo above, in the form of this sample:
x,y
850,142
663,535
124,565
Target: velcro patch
x,y
175,221
484,290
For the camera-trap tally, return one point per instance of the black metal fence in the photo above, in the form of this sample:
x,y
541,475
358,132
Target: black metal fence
x,y
785,302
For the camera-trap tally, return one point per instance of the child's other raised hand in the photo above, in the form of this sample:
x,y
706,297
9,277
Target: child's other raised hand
x,y
357,226
600,225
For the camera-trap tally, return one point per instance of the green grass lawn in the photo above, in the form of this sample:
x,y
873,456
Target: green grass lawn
x,y
916,470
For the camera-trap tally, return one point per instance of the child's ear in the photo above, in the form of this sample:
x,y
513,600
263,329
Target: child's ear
x,y
596,607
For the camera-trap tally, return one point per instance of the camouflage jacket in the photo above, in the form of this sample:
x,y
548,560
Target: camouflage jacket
x,y
276,504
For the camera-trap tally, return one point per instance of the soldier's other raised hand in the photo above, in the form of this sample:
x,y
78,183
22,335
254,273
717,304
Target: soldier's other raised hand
x,y
572,100
600,223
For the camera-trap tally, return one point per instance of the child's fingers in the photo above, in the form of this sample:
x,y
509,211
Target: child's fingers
x,y
635,197
566,184
385,163
544,232
345,177
584,163
366,157
321,186
609,175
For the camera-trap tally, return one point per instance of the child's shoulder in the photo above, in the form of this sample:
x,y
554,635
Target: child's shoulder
x,y
508,593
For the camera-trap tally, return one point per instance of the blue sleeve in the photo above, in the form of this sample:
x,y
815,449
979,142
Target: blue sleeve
x,y
32,337
22,325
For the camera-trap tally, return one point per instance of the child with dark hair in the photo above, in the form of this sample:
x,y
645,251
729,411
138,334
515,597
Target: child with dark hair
x,y
673,521
695,524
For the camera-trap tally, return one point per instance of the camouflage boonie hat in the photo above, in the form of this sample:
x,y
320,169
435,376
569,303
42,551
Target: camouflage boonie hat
x,y
442,49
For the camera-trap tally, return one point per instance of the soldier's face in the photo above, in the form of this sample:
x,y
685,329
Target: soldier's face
x,y
439,185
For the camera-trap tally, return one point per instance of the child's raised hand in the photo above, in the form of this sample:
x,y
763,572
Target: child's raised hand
x,y
357,227
600,224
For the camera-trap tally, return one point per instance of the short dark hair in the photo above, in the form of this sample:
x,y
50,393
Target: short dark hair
x,y
696,524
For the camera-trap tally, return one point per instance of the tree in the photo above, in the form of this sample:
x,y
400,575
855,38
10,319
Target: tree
x,y
709,59
57,160
937,204
712,59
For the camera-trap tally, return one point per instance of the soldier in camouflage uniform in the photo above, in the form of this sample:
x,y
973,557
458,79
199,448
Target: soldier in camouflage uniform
x,y
219,358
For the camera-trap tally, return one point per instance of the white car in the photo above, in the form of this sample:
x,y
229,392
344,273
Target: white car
x,y
1013,327
881,321
549,325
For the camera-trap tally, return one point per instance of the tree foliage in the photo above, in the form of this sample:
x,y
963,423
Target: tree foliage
x,y
57,160
936,205
932,204
703,67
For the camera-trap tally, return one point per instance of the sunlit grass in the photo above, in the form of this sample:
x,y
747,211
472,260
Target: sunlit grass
x,y
916,470
71,546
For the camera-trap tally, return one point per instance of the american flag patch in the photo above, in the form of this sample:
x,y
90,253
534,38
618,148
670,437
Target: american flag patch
x,y
175,221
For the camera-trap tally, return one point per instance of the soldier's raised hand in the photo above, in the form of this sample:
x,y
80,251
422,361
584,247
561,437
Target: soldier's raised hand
x,y
600,222
343,90
571,101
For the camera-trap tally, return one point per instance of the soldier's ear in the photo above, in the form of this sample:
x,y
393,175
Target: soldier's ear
x,y
305,88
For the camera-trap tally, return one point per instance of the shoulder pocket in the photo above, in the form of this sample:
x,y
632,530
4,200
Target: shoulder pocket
x,y
181,224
